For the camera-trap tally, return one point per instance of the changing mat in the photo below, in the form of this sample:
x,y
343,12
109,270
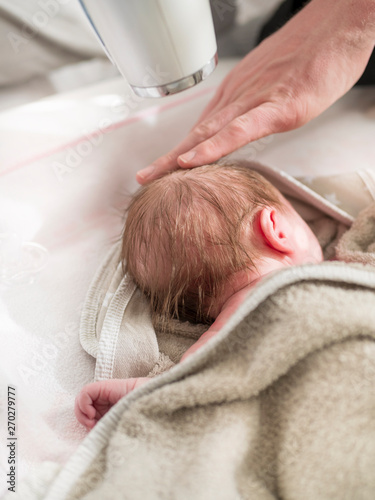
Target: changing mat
x,y
279,404
116,326
65,163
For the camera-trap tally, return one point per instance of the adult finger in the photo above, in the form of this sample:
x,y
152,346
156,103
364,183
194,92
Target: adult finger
x,y
199,133
249,127
213,106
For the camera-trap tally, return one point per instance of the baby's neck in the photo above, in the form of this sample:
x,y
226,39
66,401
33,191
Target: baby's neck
x,y
241,282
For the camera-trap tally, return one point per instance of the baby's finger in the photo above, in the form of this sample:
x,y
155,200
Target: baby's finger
x,y
86,404
89,423
246,128
84,411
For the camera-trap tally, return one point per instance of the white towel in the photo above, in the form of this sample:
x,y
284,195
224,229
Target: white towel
x,y
116,325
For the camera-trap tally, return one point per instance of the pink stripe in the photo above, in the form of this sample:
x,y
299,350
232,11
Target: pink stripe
x,y
92,222
137,117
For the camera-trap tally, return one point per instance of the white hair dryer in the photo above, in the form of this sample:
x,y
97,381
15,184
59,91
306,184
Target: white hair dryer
x,y
161,47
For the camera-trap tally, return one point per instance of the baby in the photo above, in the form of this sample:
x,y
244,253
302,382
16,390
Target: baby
x,y
196,242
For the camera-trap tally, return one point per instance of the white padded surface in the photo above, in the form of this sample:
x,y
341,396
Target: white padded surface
x,y
66,164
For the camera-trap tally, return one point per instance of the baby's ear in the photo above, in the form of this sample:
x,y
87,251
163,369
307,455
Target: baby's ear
x,y
277,230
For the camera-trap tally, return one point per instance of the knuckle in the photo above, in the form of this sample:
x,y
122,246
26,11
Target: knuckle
x,y
204,129
286,118
168,160
274,117
240,126
209,148
279,119
289,110
236,108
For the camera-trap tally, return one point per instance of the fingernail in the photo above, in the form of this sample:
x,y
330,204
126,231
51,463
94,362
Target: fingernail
x,y
187,156
146,172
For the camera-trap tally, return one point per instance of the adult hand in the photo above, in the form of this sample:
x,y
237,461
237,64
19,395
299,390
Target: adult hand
x,y
289,79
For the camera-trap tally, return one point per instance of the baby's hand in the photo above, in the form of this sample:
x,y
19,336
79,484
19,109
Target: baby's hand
x,y
97,398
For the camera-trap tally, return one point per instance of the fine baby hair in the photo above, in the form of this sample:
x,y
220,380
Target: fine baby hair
x,y
186,232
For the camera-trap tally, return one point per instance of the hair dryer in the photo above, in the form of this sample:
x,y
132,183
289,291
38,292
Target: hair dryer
x,y
161,47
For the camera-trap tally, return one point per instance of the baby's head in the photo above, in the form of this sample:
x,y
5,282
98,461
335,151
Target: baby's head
x,y
193,238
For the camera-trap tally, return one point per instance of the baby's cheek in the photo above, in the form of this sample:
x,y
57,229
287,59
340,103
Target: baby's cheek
x,y
314,247
311,250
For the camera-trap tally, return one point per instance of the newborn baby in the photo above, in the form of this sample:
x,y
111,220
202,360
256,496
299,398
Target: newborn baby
x,y
196,242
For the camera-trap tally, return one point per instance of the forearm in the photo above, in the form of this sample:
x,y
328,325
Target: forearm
x,y
327,44
351,21
361,17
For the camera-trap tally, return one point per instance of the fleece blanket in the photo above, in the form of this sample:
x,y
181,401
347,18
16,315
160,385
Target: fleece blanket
x,y
280,404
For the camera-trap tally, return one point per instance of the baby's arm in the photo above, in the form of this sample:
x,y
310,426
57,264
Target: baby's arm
x,y
97,398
